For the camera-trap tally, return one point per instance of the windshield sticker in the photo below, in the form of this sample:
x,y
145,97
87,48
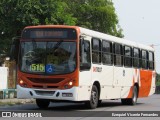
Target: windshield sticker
x,y
37,68
50,68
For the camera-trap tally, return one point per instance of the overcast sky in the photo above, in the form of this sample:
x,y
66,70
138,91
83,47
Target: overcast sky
x,y
140,21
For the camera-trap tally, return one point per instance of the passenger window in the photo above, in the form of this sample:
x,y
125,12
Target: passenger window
x,y
118,57
151,60
96,51
107,56
144,59
128,56
136,58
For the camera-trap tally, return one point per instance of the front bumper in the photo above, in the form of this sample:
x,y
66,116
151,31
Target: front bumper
x,y
27,93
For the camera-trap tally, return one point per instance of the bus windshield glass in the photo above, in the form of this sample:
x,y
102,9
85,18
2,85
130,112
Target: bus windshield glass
x,y
57,57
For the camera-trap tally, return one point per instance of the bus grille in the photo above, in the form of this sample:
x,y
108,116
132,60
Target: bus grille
x,y
46,80
46,93
44,87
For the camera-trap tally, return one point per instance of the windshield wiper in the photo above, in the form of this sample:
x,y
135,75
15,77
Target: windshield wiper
x,y
57,45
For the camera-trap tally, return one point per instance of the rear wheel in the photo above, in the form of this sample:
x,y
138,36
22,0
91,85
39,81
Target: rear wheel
x,y
133,100
42,103
93,103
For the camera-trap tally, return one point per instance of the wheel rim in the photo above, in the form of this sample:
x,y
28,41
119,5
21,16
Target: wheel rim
x,y
135,95
94,97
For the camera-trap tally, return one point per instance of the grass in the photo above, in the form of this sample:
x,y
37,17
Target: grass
x,y
9,103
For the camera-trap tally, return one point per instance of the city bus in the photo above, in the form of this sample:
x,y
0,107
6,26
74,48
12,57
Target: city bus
x,y
70,63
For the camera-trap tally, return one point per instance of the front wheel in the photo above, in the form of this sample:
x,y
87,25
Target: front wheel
x,y
133,100
42,103
93,102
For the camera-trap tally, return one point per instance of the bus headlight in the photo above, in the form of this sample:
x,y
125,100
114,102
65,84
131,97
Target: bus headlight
x,y
69,84
22,83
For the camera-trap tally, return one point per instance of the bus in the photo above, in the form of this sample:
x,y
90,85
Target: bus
x,y
75,64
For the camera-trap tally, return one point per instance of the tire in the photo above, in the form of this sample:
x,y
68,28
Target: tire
x,y
133,100
94,98
42,103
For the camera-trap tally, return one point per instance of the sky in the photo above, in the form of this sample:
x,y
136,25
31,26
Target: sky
x,y
140,21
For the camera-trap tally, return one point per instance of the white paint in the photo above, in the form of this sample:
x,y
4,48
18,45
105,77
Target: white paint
x,y
3,77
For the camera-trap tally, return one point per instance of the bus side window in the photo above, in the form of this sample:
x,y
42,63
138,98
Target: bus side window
x,y
151,61
85,57
96,51
127,56
136,57
107,56
118,55
144,59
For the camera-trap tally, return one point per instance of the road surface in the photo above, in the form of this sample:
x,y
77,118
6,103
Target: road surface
x,y
151,103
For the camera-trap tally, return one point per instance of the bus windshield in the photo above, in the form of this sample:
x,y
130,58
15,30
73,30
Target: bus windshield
x,y
56,57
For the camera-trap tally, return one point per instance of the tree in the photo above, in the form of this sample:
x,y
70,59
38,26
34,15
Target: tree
x,y
16,14
157,79
93,14
98,15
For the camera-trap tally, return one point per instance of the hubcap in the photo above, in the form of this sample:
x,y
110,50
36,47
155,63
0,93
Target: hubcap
x,y
94,97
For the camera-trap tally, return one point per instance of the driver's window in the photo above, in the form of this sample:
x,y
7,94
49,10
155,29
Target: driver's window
x,y
85,60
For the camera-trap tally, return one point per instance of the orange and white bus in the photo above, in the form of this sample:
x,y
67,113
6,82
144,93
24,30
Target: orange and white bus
x,y
70,63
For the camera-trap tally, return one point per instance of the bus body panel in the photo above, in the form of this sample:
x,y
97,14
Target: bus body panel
x,y
146,83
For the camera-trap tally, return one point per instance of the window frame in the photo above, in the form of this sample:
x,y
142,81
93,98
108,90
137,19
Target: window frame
x,y
99,52
128,56
146,60
151,61
88,64
138,58
118,54
110,52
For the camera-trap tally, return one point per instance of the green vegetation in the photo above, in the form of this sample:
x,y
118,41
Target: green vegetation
x,y
94,14
157,79
9,103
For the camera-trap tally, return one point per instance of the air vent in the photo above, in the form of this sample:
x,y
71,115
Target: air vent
x,y
46,80
45,93
43,87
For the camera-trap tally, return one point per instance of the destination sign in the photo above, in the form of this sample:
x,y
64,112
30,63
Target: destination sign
x,y
34,33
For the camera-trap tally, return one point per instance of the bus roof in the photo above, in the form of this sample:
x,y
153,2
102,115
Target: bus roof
x,y
123,41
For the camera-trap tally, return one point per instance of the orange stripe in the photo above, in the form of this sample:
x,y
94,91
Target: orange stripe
x,y
146,80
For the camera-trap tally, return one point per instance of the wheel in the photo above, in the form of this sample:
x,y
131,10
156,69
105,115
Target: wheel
x,y
93,102
42,103
133,100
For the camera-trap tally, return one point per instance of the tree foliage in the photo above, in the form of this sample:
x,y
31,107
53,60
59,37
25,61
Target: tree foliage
x,y
157,77
93,14
97,15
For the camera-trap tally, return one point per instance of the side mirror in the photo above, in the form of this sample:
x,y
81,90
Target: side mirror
x,y
14,51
